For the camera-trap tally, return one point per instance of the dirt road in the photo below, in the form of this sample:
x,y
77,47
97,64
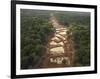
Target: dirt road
x,y
60,51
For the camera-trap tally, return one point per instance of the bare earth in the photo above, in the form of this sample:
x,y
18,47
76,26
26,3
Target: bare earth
x,y
60,51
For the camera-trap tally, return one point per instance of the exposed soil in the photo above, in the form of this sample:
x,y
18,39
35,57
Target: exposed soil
x,y
59,50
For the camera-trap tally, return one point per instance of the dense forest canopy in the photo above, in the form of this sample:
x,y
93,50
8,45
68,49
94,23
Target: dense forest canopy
x,y
34,34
